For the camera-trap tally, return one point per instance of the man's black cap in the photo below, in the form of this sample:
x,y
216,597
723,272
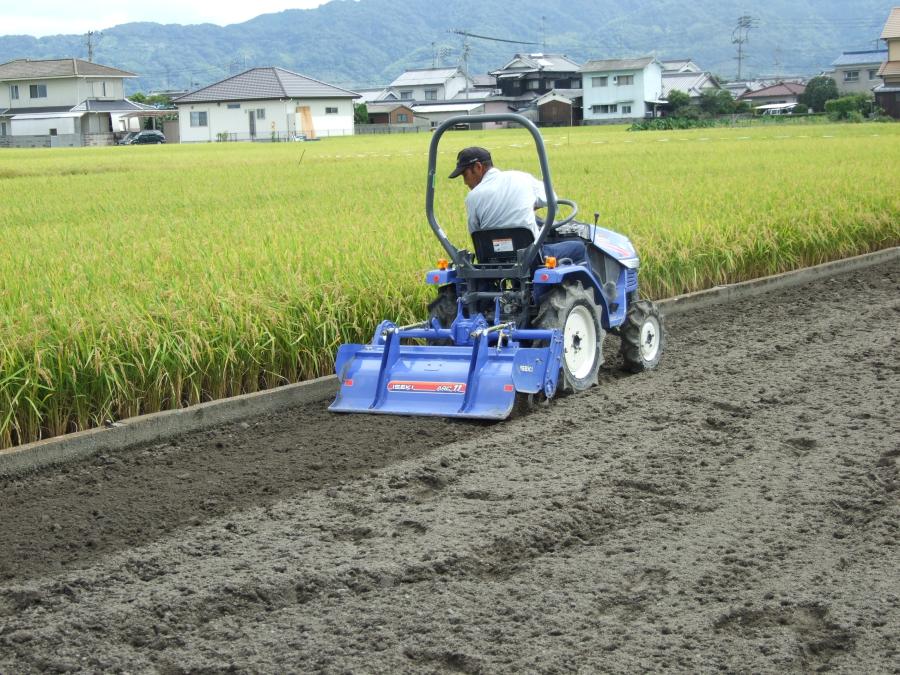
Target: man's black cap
x,y
468,157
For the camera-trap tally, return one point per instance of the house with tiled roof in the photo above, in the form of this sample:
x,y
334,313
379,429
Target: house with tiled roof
x,y
265,104
779,93
887,95
692,83
616,89
533,75
64,102
856,72
433,84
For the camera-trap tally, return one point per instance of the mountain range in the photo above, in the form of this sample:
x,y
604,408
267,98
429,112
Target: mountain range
x,y
357,43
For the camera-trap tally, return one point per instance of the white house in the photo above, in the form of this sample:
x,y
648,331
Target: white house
x,y
621,88
64,102
434,84
857,72
265,104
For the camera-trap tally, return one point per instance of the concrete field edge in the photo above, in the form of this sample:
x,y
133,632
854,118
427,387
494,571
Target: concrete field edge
x,y
162,426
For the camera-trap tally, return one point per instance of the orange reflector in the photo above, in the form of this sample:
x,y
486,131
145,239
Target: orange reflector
x,y
436,278
443,264
550,262
545,277
508,387
348,383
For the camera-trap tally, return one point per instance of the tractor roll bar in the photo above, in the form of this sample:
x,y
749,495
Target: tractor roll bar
x,y
454,253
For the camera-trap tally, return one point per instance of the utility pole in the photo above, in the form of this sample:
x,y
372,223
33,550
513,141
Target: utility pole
x,y
544,34
466,48
739,36
89,41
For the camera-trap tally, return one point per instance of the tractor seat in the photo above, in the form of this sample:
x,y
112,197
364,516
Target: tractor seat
x,y
500,245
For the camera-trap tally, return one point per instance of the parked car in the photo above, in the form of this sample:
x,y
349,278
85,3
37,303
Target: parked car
x,y
143,137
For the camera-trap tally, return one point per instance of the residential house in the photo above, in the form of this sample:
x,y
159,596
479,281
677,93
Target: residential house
x,y
64,102
679,66
373,94
532,75
389,113
621,88
265,104
692,83
437,111
738,89
887,95
560,108
780,93
433,84
857,72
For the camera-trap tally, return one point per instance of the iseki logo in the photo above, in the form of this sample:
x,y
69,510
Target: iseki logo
x,y
427,387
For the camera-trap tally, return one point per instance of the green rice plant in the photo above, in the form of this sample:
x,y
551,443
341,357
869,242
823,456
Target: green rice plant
x,y
136,279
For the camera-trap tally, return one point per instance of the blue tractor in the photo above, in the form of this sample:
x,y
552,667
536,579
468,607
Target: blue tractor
x,y
507,322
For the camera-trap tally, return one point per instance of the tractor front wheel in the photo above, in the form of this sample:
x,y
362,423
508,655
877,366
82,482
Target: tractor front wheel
x,y
643,338
571,309
443,307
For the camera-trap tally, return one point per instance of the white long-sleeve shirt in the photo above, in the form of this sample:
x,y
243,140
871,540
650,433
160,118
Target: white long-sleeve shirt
x,y
505,199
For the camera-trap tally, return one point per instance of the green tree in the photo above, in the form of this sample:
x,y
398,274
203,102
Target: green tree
x,y
678,102
818,90
716,102
360,114
851,107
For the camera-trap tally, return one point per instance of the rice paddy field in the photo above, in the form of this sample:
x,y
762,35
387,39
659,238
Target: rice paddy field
x,y
137,279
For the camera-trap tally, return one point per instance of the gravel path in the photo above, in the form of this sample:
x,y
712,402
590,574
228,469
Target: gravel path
x,y
737,509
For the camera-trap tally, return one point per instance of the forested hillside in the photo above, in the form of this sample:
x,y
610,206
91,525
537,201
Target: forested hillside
x,y
366,42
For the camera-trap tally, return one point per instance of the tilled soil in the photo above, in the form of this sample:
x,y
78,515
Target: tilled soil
x,y
736,509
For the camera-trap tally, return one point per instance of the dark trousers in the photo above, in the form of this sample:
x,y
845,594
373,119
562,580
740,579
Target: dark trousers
x,y
571,250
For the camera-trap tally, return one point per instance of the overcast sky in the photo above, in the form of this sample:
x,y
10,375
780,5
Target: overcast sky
x,y
51,17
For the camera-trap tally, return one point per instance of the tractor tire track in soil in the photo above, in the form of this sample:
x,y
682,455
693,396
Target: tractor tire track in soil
x,y
736,509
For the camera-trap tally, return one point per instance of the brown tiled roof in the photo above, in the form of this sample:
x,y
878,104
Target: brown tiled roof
x,y
889,69
779,89
892,25
26,69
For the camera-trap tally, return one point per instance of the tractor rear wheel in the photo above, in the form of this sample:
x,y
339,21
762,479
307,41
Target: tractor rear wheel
x,y
643,337
571,309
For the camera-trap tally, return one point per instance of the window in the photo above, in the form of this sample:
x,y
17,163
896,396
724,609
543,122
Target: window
x,y
406,95
873,73
14,91
604,109
431,94
532,84
37,90
233,106
198,119
331,111
599,81
53,132
626,109
402,117
851,76
260,113
2,128
624,79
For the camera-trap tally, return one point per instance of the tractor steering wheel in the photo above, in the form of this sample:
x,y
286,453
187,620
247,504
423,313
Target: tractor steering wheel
x,y
565,221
